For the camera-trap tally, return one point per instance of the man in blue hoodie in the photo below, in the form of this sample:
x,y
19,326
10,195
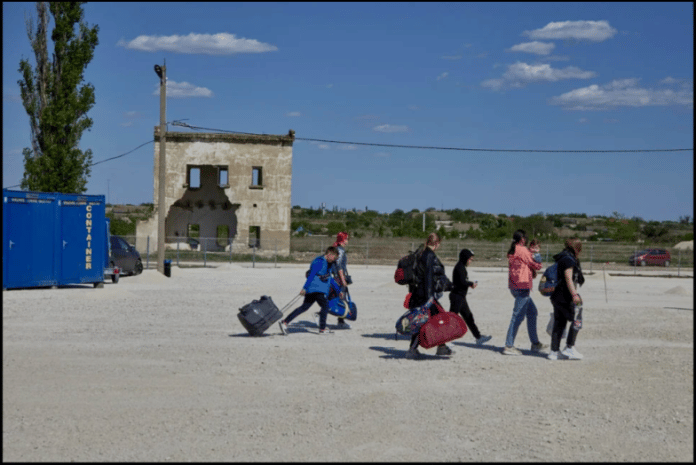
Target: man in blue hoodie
x,y
316,289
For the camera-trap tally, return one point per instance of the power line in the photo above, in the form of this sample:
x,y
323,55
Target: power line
x,y
102,161
176,123
123,154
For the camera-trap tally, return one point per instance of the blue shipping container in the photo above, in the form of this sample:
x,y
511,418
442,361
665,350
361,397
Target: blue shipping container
x,y
52,239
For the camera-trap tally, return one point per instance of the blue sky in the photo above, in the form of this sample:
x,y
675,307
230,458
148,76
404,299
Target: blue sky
x,y
509,76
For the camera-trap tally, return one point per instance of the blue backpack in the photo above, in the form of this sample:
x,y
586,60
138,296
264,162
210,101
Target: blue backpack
x,y
549,280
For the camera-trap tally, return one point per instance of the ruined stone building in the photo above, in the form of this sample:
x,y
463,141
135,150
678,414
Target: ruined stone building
x,y
227,191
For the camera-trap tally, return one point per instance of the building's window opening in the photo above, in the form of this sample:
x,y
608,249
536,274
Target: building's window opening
x,y
194,177
223,180
255,236
256,176
223,234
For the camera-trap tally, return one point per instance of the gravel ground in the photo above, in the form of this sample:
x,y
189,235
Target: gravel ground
x,y
160,369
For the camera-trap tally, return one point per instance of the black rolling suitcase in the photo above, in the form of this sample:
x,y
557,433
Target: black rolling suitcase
x,y
259,315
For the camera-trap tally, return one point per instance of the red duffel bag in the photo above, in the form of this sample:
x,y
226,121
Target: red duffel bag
x,y
441,328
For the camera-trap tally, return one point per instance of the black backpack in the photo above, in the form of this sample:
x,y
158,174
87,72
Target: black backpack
x,y
406,268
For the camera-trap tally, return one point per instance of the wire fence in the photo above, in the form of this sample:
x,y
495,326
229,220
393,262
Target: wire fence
x,y
387,251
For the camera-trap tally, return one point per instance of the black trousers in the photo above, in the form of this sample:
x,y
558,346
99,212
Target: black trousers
x,y
562,314
459,305
309,299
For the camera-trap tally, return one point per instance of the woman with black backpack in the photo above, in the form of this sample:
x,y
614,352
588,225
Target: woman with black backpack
x,y
565,298
431,283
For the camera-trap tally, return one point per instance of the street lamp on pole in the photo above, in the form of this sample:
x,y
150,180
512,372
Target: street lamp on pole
x,y
161,213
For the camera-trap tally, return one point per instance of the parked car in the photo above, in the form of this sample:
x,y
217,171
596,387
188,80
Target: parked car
x,y
650,257
124,256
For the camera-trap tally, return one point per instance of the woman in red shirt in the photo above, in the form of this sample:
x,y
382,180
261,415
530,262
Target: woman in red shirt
x,y
521,272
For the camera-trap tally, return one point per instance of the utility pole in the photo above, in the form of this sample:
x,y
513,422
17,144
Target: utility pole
x,y
161,213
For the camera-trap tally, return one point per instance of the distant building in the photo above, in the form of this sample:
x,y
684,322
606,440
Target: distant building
x,y
228,190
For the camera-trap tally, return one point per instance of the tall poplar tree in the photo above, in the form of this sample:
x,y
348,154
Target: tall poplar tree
x,y
55,100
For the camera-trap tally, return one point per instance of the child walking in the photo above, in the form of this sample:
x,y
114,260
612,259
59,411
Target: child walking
x,y
458,303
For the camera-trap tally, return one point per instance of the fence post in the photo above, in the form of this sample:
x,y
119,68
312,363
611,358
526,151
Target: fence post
x,y
679,265
635,263
367,252
148,252
253,257
275,263
177,253
229,242
502,255
591,254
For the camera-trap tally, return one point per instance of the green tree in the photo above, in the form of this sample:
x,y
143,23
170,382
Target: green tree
x,y
56,103
335,227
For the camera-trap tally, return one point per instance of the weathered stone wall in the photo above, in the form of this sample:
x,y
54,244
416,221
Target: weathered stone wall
x,y
238,204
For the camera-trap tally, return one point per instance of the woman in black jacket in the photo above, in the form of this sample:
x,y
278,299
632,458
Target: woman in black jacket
x,y
432,282
458,303
565,298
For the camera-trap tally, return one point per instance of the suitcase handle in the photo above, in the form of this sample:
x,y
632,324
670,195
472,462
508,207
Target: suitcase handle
x,y
294,299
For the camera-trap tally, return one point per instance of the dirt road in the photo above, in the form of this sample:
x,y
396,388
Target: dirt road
x,y
160,369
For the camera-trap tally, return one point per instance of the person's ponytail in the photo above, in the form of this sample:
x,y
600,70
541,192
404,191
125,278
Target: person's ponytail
x,y
516,238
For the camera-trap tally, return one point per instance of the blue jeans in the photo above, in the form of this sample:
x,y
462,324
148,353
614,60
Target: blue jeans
x,y
524,306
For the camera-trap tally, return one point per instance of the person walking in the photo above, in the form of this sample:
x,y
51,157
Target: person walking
x,y
461,285
316,289
565,298
429,275
522,268
340,271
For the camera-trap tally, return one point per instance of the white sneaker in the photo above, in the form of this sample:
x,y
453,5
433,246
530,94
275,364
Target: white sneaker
x,y
511,351
483,339
555,355
572,353
283,327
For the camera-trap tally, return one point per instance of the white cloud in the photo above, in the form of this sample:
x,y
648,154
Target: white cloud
x,y
323,146
390,128
595,31
293,113
347,147
521,74
669,80
412,107
183,90
329,86
621,93
493,84
132,114
443,75
539,48
583,120
611,120
452,57
127,124
207,44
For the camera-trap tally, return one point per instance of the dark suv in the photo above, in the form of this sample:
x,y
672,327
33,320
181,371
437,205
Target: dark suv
x,y
124,256
650,257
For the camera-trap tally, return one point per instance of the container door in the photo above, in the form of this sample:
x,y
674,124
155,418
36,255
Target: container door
x,y
29,248
82,236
